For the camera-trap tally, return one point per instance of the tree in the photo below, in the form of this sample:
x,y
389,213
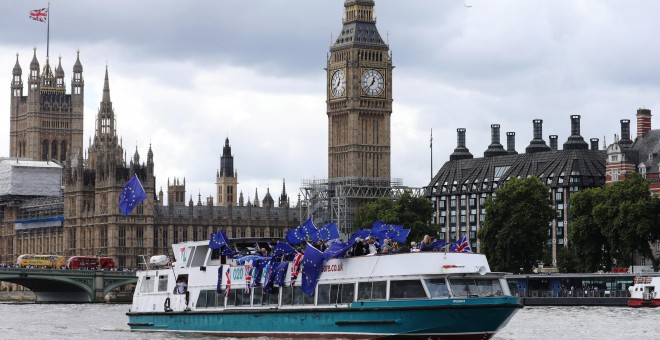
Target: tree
x,y
515,229
625,221
411,212
586,237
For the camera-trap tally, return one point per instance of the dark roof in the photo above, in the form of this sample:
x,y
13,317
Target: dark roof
x,y
477,175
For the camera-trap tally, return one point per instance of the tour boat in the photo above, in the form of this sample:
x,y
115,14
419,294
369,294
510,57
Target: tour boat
x,y
410,295
644,292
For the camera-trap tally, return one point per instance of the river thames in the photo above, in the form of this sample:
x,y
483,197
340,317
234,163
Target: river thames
x,y
108,321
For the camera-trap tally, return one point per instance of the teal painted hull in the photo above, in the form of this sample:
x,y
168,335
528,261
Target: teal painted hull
x,y
476,318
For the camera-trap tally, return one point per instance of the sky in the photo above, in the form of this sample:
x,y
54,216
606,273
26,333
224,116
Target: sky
x,y
185,75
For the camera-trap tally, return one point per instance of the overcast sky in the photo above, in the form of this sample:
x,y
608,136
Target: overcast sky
x,y
184,75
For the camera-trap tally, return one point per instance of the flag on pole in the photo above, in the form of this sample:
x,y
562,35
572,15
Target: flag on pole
x,y
40,15
132,194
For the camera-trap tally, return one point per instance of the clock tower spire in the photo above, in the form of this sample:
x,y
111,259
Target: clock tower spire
x,y
359,98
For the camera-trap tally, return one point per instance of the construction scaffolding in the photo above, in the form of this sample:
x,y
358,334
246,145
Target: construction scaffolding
x,y
337,199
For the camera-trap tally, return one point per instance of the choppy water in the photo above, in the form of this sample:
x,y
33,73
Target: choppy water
x,y
101,322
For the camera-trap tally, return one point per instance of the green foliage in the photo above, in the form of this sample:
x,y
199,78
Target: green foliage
x,y
614,222
515,230
411,212
566,261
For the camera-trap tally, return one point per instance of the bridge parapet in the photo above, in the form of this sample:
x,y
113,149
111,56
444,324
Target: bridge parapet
x,y
68,285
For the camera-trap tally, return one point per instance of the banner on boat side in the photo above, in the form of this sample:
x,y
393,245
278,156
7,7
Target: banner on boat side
x,y
245,275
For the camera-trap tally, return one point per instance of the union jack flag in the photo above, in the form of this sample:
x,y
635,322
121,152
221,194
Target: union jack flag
x,y
463,245
39,14
228,286
295,270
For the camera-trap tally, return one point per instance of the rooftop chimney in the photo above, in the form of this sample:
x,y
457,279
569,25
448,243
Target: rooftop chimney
x,y
643,121
537,144
625,141
461,152
511,143
594,144
553,142
575,141
495,148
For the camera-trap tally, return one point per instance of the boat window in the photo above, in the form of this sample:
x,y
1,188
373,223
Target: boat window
x,y
201,299
208,298
437,288
270,298
238,297
199,256
372,290
256,296
286,296
147,285
162,283
475,287
299,298
330,294
407,289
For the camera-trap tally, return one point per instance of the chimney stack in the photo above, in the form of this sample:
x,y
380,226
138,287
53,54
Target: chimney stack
x,y
495,148
625,141
511,143
461,152
594,144
643,121
575,141
553,142
537,144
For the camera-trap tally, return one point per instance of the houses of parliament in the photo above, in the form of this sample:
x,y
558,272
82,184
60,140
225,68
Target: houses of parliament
x,y
82,217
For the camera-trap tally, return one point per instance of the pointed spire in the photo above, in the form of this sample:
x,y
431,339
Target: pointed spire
x,y
59,72
106,87
17,71
34,64
77,67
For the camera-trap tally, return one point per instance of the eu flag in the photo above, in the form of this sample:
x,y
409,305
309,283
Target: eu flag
x,y
132,194
312,267
282,248
328,232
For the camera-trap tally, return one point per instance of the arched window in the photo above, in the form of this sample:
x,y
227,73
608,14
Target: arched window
x,y
44,150
53,150
63,151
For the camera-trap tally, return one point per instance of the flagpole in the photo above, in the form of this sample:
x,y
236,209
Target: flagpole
x,y
48,30
431,154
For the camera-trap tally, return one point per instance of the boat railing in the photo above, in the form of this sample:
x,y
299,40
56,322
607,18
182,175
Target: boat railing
x,y
647,296
644,280
576,293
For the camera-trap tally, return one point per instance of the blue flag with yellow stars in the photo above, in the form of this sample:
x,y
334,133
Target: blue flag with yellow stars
x,y
282,248
329,232
312,267
280,273
132,194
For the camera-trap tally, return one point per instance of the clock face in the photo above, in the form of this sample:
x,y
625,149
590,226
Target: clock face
x,y
372,82
338,83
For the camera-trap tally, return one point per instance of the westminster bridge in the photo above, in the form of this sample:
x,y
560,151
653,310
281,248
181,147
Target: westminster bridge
x,y
68,285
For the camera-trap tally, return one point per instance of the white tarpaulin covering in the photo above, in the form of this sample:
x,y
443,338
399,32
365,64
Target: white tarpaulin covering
x,y
30,178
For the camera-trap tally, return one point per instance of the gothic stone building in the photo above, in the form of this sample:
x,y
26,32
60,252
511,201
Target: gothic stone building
x,y
460,188
84,219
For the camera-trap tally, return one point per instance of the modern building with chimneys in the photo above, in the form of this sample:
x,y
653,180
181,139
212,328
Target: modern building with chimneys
x,y
460,188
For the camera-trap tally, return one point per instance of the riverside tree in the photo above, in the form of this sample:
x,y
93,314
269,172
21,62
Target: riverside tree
x,y
619,220
515,229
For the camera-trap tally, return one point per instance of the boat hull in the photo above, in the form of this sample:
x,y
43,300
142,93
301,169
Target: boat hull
x,y
449,319
643,303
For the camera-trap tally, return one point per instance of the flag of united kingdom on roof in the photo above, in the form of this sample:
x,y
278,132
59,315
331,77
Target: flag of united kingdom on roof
x,y
39,14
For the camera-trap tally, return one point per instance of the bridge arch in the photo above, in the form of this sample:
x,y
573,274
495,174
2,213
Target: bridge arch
x,y
57,285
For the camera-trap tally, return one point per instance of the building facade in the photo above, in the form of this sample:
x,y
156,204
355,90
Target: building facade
x,y
47,123
84,219
461,187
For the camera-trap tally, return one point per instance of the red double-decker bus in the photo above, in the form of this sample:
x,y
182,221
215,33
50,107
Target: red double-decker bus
x,y
90,262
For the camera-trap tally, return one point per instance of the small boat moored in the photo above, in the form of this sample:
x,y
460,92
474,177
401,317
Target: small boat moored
x,y
644,292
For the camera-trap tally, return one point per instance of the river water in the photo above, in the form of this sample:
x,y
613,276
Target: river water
x,y
108,321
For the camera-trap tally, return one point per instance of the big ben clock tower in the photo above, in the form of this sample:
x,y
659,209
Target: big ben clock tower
x,y
359,90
